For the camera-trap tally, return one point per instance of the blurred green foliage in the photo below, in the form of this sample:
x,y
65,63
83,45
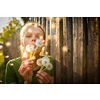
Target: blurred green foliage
x,y
13,26
2,68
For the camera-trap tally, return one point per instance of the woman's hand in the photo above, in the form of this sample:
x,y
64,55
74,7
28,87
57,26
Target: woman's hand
x,y
45,78
26,68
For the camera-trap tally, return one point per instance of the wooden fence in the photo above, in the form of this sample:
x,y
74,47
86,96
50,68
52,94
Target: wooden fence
x,y
74,43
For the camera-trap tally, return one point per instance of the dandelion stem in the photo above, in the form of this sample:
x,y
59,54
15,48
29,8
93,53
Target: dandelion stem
x,y
35,50
44,69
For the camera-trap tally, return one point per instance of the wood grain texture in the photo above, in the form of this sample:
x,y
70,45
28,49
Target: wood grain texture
x,y
47,46
93,50
69,50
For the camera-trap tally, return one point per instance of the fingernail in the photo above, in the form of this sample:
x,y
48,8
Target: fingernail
x,y
38,72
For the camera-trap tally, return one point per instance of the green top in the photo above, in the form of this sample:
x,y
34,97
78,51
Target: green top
x,y
12,74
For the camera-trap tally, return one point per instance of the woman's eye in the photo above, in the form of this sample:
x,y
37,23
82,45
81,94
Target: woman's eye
x,y
37,36
28,36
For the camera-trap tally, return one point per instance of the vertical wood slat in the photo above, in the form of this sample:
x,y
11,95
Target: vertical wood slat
x,y
56,49
84,69
69,61
93,50
47,38
65,51
77,50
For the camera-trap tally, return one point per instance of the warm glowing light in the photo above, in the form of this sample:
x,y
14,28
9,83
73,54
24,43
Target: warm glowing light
x,y
7,56
41,37
46,53
7,44
0,80
33,57
43,49
29,30
1,46
1,54
64,49
53,25
49,37
11,64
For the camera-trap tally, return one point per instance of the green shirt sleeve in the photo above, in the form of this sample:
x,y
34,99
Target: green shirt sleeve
x,y
52,62
10,73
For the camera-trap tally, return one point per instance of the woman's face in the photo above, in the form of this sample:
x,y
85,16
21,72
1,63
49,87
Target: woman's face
x,y
31,34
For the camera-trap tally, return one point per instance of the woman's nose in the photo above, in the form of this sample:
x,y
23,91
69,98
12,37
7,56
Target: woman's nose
x,y
33,39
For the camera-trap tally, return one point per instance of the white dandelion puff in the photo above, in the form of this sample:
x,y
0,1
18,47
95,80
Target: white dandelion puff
x,y
45,62
49,67
39,43
30,48
46,58
39,62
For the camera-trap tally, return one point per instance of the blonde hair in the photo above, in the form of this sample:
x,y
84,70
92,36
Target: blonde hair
x,y
22,32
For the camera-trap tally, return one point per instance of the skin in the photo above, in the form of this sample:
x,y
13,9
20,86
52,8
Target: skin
x,y
31,35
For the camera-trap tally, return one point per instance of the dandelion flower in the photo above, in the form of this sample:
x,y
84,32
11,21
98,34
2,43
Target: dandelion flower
x,y
49,67
30,48
46,58
39,43
39,62
45,62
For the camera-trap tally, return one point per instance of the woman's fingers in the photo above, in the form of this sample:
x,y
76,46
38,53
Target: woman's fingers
x,y
45,75
41,82
26,71
46,78
41,78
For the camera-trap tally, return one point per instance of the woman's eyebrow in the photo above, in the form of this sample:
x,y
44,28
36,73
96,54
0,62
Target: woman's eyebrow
x,y
38,33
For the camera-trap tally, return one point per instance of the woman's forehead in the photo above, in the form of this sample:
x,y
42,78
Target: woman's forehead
x,y
33,29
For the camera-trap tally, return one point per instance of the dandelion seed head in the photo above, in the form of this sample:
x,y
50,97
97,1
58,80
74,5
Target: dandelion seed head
x,y
49,67
39,62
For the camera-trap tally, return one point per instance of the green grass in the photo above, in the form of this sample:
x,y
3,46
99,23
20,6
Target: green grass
x,y
2,68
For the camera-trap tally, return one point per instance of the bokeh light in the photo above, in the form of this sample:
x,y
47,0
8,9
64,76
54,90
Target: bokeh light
x,y
0,80
7,56
1,54
64,48
29,30
11,64
46,53
49,37
41,37
8,44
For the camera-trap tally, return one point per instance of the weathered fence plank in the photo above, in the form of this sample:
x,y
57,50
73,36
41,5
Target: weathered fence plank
x,y
69,51
75,50
47,38
93,49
